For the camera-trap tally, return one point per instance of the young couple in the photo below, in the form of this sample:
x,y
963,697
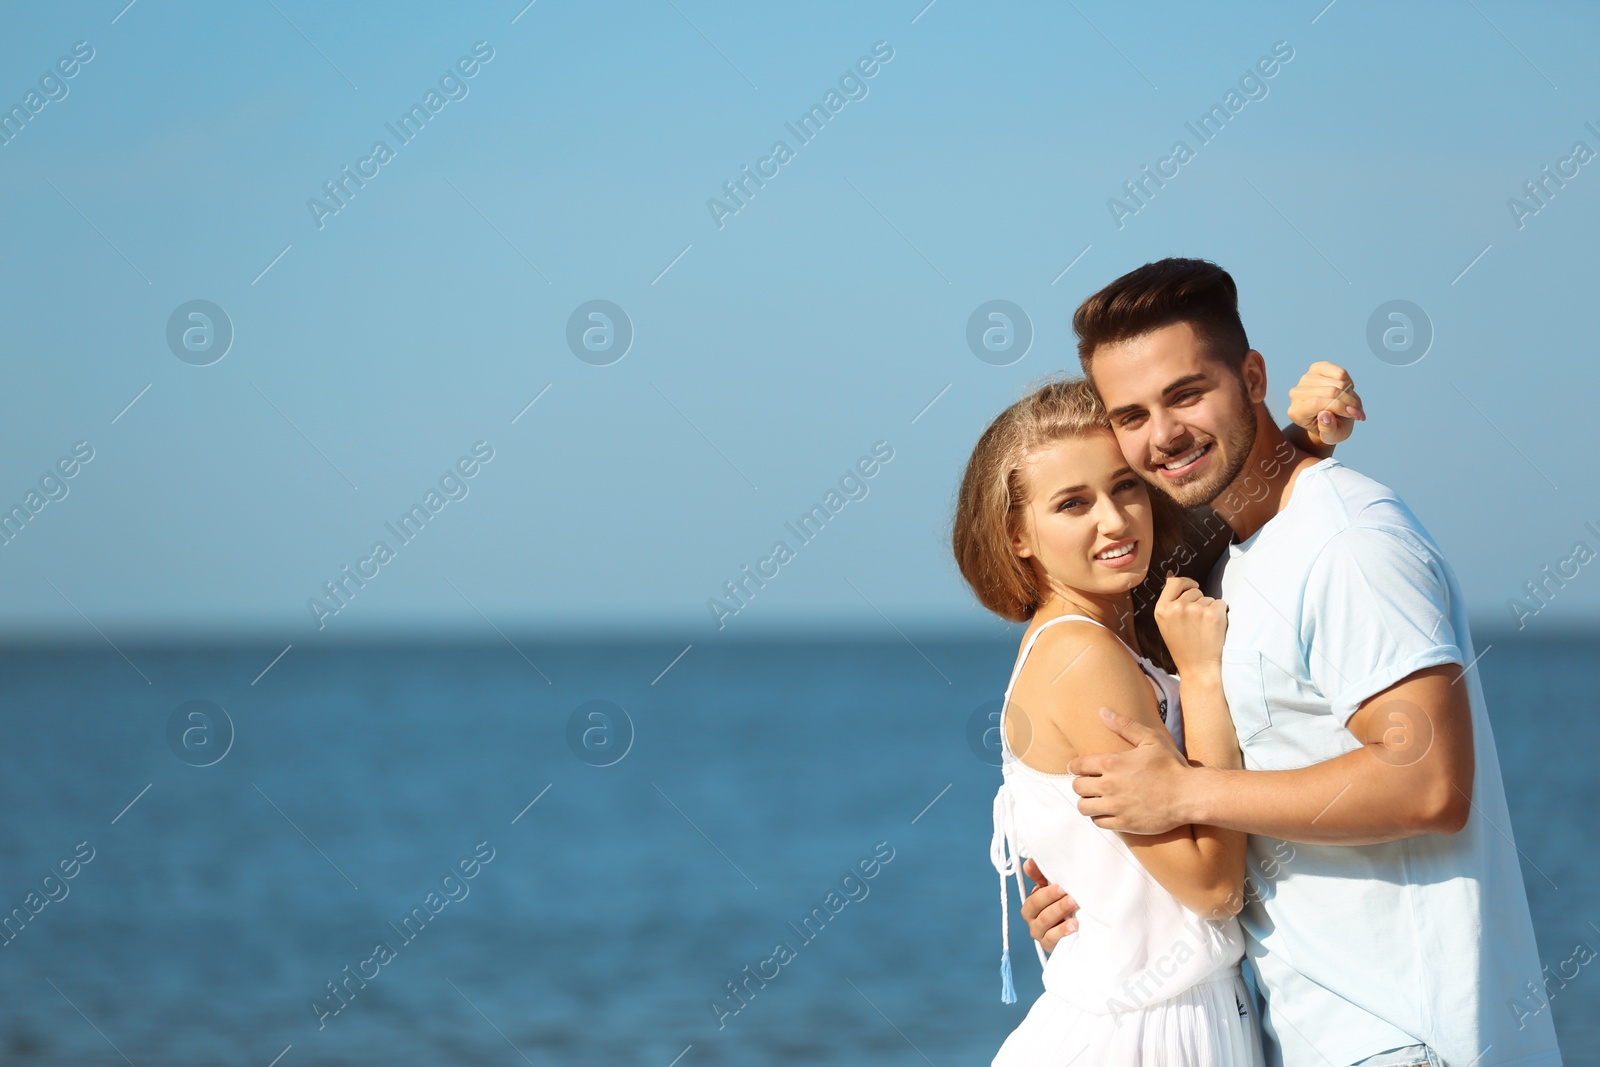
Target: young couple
x,y
1289,759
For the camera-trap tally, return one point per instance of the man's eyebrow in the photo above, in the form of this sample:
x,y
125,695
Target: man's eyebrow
x,y
1187,379
1126,409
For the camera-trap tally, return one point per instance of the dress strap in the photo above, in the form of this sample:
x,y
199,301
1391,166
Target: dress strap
x,y
1028,645
1004,841
1138,660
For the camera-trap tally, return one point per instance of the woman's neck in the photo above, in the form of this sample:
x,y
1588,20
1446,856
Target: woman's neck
x,y
1115,612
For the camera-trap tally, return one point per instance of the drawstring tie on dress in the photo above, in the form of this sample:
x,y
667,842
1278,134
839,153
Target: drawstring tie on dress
x,y
1003,842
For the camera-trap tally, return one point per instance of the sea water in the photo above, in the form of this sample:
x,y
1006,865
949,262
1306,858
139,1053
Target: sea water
x,y
743,854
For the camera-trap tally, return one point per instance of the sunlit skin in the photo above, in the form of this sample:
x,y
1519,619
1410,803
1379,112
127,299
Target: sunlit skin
x,y
1168,399
1086,530
1085,501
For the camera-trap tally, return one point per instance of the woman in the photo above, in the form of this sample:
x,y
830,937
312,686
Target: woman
x,y
1055,528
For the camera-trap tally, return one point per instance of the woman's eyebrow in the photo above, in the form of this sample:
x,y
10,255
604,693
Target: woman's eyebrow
x,y
1081,488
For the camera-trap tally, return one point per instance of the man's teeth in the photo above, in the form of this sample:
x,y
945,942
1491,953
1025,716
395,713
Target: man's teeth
x,y
1184,461
1113,553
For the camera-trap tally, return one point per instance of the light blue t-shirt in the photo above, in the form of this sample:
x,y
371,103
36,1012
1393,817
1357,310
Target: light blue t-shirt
x,y
1362,948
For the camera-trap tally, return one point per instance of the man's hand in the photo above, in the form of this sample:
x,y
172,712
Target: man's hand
x,y
1325,404
1138,791
1048,909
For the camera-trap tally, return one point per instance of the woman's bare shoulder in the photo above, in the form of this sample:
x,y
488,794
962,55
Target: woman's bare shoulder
x,y
1078,667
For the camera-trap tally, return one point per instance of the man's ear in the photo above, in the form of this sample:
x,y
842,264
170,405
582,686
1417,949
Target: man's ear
x,y
1254,372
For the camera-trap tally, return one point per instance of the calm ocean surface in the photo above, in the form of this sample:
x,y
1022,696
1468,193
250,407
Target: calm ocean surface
x,y
614,911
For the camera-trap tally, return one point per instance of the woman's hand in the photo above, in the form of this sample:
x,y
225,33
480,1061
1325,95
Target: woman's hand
x,y
1325,406
1193,626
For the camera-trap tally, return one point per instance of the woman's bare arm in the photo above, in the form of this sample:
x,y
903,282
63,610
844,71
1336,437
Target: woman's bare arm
x,y
1194,625
1201,866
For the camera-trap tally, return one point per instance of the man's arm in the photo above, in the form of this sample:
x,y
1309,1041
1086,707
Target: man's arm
x,y
1412,775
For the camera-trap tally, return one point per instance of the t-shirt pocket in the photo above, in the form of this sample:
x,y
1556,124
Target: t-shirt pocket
x,y
1245,688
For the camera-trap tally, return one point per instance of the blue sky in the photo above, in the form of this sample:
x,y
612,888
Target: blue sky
x,y
374,347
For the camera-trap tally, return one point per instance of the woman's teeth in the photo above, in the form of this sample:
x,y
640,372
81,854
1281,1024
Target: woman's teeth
x,y
1114,553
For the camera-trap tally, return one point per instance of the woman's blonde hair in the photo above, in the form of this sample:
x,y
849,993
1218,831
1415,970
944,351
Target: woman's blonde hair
x,y
993,497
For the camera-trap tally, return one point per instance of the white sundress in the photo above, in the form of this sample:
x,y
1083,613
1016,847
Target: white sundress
x,y
1144,981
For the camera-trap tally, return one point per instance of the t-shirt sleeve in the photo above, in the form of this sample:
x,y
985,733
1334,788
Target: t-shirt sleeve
x,y
1376,609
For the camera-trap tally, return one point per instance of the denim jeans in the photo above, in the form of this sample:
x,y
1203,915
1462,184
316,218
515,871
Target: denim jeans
x,y
1410,1056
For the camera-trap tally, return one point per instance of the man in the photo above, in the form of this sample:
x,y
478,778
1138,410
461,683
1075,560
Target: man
x,y
1385,914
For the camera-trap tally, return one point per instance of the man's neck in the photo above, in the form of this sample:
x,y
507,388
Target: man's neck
x,y
1264,485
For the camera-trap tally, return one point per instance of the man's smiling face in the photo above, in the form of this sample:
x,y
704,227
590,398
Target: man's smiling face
x,y
1184,421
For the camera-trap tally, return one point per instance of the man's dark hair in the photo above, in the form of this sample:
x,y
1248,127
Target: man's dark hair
x,y
1159,294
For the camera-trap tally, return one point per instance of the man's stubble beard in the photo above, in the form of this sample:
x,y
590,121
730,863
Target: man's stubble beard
x,y
1239,444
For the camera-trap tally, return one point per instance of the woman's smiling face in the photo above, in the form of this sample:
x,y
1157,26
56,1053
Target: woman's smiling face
x,y
1088,521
